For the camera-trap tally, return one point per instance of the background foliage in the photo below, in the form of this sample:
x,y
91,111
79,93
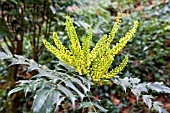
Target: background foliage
x,y
24,23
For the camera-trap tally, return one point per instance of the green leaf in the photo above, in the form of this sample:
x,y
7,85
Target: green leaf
x,y
157,105
124,83
100,108
157,86
136,92
59,101
7,51
34,86
147,100
4,56
26,90
89,104
39,99
134,80
33,65
18,61
48,75
68,93
44,100
80,84
86,81
164,111
142,87
20,58
166,89
52,98
15,90
69,84
93,97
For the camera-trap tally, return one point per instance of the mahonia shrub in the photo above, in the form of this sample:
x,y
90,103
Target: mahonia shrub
x,y
51,88
96,62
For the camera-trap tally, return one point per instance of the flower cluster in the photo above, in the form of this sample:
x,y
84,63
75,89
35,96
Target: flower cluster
x,y
95,62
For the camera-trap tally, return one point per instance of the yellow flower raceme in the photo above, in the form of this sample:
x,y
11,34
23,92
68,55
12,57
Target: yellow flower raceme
x,y
93,63
86,43
63,51
75,44
53,50
123,41
75,48
118,69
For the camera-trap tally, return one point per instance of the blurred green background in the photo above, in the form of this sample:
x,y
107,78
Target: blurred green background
x,y
23,24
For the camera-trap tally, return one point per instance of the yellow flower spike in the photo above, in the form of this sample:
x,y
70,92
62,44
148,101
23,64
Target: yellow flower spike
x,y
86,43
52,49
75,44
65,53
114,30
58,43
123,41
118,69
98,48
89,41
